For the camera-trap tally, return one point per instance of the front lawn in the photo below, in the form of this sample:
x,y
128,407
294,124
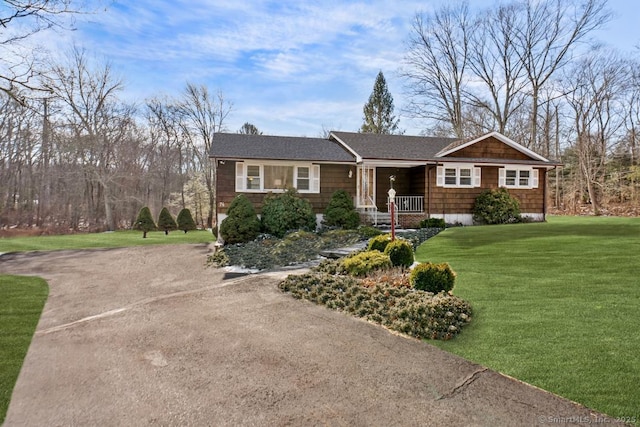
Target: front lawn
x,y
115,239
21,302
555,305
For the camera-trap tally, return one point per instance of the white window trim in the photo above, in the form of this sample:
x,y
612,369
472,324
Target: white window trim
x,y
241,176
532,182
476,175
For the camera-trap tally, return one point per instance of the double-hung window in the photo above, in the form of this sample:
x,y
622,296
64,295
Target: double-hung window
x,y
265,177
458,176
523,177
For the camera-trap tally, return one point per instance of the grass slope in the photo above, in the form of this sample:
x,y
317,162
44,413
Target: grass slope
x,y
555,305
102,240
21,302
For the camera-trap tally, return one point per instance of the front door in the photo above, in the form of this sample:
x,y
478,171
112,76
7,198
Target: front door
x,y
366,194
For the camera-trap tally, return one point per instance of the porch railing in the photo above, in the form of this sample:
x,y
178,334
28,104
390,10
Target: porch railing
x,y
409,204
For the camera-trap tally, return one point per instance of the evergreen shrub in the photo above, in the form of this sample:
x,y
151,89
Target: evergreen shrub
x,y
145,222
496,206
241,224
365,262
432,223
341,212
400,253
367,231
166,222
285,212
379,242
433,278
185,220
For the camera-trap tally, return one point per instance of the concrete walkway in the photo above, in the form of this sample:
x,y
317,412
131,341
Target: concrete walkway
x,y
150,336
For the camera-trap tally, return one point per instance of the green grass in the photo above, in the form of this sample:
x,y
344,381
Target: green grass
x,y
21,302
555,304
102,240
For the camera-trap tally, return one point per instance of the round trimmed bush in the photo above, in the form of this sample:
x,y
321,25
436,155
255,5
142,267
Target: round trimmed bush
x,y
496,206
379,243
341,212
241,224
433,278
365,262
285,212
400,253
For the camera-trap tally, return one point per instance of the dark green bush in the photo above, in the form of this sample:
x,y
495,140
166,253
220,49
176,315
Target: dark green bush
x,y
185,220
379,243
432,223
145,222
433,278
364,262
400,253
166,222
341,212
285,212
241,224
496,206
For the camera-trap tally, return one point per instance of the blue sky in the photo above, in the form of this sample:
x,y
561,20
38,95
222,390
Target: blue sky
x,y
289,67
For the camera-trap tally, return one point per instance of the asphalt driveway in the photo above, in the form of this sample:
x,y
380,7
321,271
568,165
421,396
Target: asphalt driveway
x,y
150,336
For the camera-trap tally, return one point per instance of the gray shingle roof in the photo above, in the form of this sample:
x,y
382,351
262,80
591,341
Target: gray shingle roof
x,y
239,146
394,147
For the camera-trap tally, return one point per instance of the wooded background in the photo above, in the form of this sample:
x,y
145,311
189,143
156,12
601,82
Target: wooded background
x,y
75,156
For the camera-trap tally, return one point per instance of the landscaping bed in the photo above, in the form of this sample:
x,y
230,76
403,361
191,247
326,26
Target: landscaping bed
x,y
366,284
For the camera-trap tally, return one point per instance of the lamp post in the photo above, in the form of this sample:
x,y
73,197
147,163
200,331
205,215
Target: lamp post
x,y
392,206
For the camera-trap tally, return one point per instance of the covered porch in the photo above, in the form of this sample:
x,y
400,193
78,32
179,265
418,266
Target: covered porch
x,y
374,181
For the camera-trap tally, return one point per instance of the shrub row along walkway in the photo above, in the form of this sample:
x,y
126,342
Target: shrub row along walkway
x,y
148,335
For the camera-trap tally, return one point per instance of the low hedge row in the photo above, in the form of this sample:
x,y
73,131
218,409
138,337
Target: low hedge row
x,y
412,312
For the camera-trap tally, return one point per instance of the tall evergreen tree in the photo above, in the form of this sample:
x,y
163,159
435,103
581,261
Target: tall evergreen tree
x,y
378,111
145,222
166,222
185,221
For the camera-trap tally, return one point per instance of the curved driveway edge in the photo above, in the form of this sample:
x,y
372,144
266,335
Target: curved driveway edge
x,y
149,335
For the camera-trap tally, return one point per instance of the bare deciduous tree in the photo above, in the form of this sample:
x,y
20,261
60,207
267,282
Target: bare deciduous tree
x,y
596,111
494,61
97,122
436,64
203,116
546,39
20,19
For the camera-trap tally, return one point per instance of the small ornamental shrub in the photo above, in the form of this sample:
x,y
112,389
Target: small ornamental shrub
x,y
185,220
341,212
218,259
367,231
285,212
144,222
400,253
365,262
433,278
379,243
166,222
496,206
241,224
432,223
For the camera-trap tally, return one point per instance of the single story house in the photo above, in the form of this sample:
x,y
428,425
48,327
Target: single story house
x,y
433,177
